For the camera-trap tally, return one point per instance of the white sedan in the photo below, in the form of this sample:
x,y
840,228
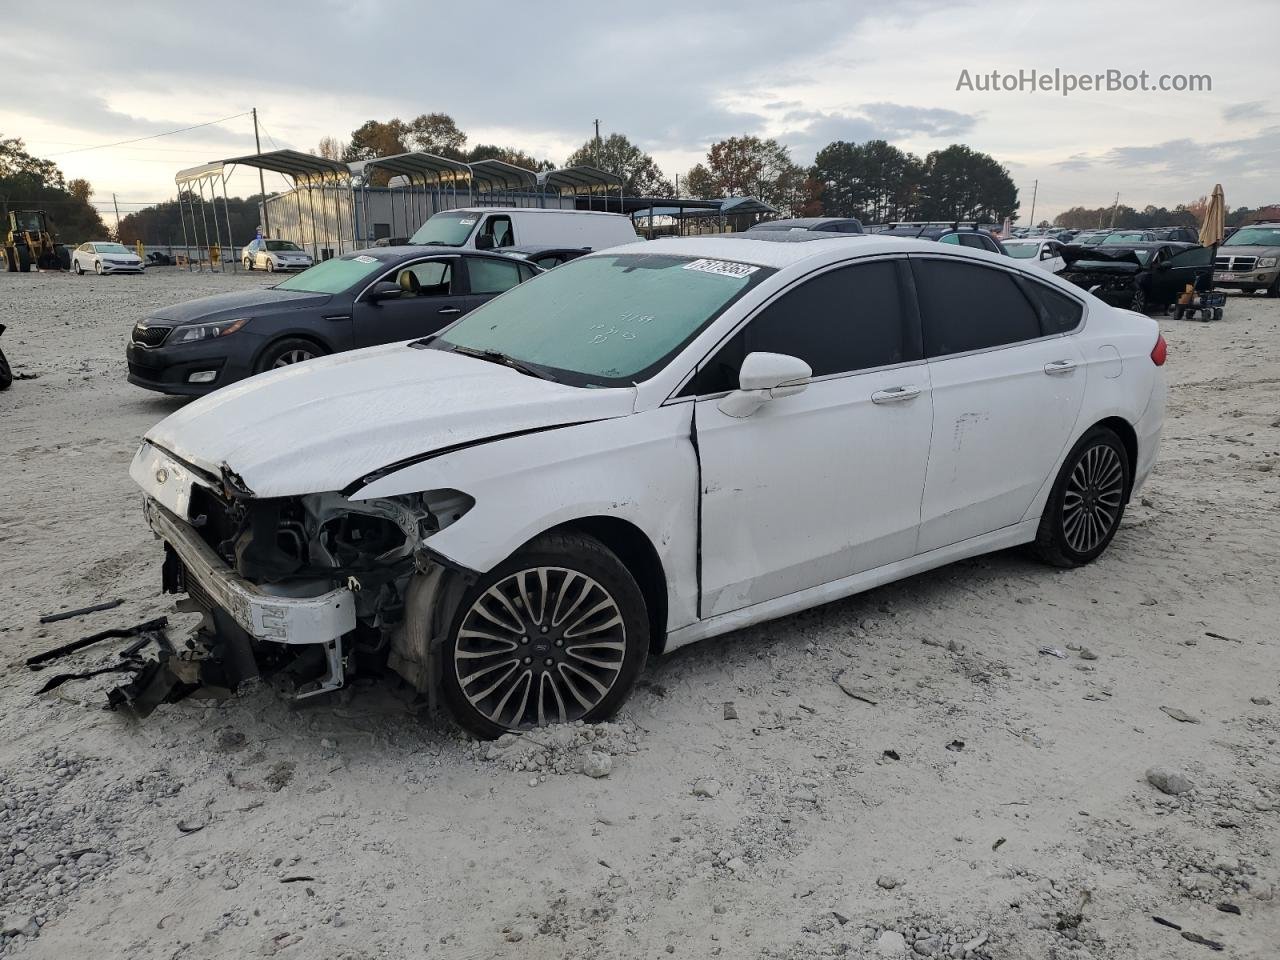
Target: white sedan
x,y
103,257
643,448
274,255
1043,253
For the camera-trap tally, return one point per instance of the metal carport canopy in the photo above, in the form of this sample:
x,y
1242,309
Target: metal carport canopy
x,y
577,178
416,165
503,175
303,167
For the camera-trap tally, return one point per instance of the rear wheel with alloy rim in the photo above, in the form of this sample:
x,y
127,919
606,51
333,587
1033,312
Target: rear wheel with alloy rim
x,y
1087,501
557,633
1139,302
288,352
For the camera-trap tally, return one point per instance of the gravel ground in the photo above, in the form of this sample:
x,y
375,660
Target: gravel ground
x,y
981,800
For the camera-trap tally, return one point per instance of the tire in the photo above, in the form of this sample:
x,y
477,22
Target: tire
x,y
10,260
284,353
248,264
271,265
64,260
6,375
1093,486
1217,313
97,267
1139,302
587,680
24,260
1274,290
75,265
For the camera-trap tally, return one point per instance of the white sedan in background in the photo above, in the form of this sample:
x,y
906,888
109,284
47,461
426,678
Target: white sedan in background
x,y
274,256
643,448
103,257
1043,253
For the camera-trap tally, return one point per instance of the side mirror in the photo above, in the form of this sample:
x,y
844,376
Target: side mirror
x,y
484,241
765,377
383,290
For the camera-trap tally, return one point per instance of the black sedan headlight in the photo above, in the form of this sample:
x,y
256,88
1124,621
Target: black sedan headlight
x,y
207,331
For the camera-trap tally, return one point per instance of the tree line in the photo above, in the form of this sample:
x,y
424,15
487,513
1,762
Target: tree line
x,y
30,183
873,181
1189,214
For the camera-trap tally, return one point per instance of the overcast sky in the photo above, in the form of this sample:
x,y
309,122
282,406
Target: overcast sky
x,y
674,77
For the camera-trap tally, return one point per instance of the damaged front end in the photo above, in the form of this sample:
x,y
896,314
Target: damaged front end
x,y
302,592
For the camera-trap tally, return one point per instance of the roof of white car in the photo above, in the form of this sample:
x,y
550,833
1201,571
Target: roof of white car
x,y
770,253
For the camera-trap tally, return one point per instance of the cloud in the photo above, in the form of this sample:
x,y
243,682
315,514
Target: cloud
x,y
902,120
1252,110
1075,163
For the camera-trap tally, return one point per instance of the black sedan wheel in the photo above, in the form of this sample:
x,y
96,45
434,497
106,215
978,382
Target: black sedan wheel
x,y
555,634
288,352
1087,501
1139,302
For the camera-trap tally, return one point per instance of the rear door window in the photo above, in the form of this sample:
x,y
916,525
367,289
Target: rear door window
x,y
967,306
492,276
848,319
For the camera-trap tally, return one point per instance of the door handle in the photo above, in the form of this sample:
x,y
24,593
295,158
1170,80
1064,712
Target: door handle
x,y
449,310
895,394
1059,367
339,317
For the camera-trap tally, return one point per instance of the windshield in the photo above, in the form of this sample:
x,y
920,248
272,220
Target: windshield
x,y
446,229
334,276
1022,251
608,320
282,245
111,248
1255,236
1123,237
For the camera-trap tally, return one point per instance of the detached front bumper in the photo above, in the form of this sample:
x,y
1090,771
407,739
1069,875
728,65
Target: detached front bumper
x,y
265,616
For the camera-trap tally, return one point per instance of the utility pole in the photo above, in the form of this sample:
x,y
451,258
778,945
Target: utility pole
x,y
1113,209
1034,190
597,143
262,184
117,206
677,186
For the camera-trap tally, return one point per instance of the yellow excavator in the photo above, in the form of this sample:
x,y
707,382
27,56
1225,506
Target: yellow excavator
x,y
31,240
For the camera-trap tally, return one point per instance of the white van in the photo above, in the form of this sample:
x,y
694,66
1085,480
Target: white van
x,y
492,228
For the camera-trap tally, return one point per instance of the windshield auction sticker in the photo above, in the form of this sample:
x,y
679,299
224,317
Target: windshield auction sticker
x,y
724,268
365,258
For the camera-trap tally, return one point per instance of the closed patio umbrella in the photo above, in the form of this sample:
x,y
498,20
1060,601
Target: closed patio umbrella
x,y
1214,218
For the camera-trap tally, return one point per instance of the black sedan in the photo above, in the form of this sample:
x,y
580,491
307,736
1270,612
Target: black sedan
x,y
381,295
544,256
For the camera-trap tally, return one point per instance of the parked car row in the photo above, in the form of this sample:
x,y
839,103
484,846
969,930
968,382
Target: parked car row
x,y
530,481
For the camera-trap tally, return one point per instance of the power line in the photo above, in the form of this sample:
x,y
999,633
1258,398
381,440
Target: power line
x,y
154,136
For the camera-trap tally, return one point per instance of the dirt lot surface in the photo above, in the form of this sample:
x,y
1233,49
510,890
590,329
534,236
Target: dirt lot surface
x,y
977,798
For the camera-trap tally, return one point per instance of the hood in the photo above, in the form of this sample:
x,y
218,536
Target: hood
x,y
1101,258
322,425
230,306
1248,250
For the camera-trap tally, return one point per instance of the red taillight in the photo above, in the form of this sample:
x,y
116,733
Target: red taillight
x,y
1160,351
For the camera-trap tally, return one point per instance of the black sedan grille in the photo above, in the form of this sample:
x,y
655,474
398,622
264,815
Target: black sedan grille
x,y
150,336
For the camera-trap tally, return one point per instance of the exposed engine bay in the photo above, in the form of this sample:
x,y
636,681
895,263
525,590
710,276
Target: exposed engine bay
x,y
275,580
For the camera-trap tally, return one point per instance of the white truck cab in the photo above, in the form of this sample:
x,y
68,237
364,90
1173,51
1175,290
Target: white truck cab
x,y
493,228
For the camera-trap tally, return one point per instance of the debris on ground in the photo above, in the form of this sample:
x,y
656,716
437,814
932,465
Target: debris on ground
x,y
80,611
1180,715
1168,781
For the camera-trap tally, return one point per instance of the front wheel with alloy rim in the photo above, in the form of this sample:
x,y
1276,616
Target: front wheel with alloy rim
x,y
248,264
78,268
559,632
271,265
1139,302
285,353
1087,501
